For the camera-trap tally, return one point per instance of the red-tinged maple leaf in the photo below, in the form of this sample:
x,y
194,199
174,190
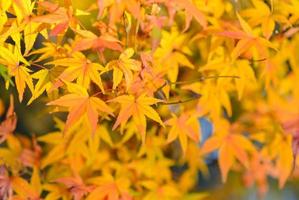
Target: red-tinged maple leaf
x,y
62,17
31,156
260,167
123,67
231,146
191,9
137,108
288,116
150,82
150,79
10,185
292,126
183,127
5,183
247,39
9,124
91,41
118,8
109,188
76,186
80,104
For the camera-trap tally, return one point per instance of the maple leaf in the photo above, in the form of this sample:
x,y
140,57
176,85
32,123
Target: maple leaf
x,y
27,190
124,67
109,188
117,9
24,13
137,108
30,156
182,127
62,17
75,186
281,150
81,69
80,103
262,14
5,183
9,124
231,147
192,10
247,39
16,69
150,81
43,83
99,43
169,55
240,69
51,50
260,167
18,185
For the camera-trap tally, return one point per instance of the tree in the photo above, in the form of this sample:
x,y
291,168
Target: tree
x,y
134,77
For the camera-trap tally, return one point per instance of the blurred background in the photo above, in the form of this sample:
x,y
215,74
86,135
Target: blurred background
x,y
35,119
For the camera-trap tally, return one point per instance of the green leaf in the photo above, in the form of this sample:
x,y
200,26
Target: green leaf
x,y
4,74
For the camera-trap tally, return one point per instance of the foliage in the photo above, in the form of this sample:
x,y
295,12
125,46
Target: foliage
x,y
134,77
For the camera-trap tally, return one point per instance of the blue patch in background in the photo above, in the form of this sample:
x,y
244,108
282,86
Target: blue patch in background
x,y
206,132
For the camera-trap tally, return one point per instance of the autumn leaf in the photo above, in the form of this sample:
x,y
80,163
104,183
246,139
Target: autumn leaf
x,y
62,17
124,67
231,147
16,69
137,108
24,14
183,127
23,188
169,57
283,154
79,104
191,9
81,69
110,188
247,39
75,186
265,16
89,40
9,124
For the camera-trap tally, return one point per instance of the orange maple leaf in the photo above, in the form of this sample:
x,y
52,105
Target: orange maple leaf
x,y
138,108
80,103
75,186
231,147
182,127
247,39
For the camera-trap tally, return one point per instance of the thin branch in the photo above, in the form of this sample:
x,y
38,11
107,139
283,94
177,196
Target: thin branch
x,y
180,101
200,79
38,65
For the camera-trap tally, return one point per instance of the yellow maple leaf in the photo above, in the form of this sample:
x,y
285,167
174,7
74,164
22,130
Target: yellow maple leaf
x,y
124,67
